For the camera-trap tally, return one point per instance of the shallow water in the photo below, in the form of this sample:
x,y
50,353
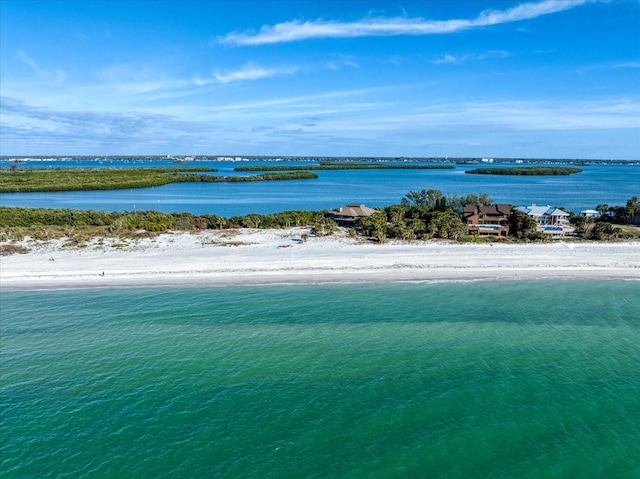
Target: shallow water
x,y
461,379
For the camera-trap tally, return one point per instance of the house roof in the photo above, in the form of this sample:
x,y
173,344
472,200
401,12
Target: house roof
x,y
498,209
557,212
353,210
535,210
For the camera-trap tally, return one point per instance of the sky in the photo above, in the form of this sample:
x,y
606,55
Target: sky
x,y
414,78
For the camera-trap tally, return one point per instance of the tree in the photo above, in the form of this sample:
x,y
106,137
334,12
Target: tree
x,y
522,225
396,213
252,220
602,209
323,226
375,226
604,231
424,199
446,224
632,208
458,202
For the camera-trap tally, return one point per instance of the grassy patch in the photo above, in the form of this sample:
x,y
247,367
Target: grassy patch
x,y
84,179
9,249
225,243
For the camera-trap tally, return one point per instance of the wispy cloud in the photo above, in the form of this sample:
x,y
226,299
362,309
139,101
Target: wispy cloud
x,y
627,65
248,72
132,80
458,60
57,75
27,127
383,127
297,30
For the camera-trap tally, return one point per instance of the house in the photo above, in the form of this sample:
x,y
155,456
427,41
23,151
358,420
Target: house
x,y
349,215
590,213
487,219
550,220
546,215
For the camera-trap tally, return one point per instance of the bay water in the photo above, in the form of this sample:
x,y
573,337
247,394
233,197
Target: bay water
x,y
526,379
611,184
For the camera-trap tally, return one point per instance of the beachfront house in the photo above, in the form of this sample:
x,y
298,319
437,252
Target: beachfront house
x,y
550,220
590,213
349,215
487,219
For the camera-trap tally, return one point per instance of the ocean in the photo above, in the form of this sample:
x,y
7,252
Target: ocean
x,y
517,379
597,184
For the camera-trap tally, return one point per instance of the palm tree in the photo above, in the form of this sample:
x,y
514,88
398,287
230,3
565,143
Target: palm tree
x,y
633,209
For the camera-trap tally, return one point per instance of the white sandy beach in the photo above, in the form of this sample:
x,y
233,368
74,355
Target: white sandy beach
x,y
280,256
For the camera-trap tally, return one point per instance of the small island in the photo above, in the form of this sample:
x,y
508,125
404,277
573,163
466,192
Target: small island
x,y
13,180
526,171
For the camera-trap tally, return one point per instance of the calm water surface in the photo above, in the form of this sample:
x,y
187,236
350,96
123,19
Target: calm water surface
x,y
526,379
597,184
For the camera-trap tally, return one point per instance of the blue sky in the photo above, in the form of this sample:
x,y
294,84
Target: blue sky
x,y
547,78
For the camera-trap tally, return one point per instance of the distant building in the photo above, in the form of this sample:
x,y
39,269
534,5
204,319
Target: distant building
x,y
590,213
349,215
487,219
550,220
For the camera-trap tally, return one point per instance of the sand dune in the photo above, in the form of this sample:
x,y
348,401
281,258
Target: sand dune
x,y
280,256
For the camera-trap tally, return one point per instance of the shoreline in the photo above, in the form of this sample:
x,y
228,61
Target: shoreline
x,y
268,257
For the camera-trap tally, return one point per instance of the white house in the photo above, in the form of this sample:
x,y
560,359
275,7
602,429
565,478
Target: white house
x,y
546,215
590,213
551,220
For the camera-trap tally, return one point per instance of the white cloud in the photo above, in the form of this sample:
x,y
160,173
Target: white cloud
x,y
452,60
57,75
339,121
131,80
627,65
448,60
297,30
249,72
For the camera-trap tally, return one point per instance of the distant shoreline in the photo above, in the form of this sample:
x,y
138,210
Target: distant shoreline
x,y
258,257
246,158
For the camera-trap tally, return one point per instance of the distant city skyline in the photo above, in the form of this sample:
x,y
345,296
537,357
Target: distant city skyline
x,y
504,79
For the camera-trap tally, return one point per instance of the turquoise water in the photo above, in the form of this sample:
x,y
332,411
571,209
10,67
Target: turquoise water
x,y
526,379
597,184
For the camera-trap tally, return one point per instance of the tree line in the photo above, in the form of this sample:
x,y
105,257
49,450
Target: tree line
x,y
420,215
526,171
155,221
611,222
14,180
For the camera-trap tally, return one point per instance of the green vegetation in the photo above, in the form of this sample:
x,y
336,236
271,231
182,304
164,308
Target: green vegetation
x,y
524,226
526,171
627,214
422,214
293,175
615,222
14,180
45,223
345,166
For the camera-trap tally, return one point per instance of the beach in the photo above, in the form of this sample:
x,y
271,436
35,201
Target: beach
x,y
248,256
254,353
